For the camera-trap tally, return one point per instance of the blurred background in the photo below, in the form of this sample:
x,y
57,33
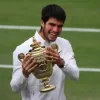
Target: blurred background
x,y
80,14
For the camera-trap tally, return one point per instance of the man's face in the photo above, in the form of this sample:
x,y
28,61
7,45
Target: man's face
x,y
51,29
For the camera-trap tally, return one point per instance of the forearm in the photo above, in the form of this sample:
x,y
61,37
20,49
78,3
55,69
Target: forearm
x,y
71,70
18,80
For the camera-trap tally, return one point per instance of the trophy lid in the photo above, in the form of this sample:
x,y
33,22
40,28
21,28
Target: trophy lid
x,y
35,44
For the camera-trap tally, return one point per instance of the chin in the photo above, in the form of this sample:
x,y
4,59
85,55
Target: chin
x,y
52,40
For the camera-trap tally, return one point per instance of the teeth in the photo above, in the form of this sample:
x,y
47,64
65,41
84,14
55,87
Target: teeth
x,y
53,34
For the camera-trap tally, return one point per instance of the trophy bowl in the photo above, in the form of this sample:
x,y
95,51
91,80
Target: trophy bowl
x,y
44,69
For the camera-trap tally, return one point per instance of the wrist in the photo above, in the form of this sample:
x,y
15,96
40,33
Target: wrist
x,y
61,63
25,74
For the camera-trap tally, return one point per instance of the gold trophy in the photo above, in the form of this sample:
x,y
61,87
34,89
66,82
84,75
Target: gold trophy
x,y
44,69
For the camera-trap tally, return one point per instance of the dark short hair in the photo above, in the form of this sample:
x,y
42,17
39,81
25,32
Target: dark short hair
x,y
53,10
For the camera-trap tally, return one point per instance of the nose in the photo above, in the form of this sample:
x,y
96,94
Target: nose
x,y
55,29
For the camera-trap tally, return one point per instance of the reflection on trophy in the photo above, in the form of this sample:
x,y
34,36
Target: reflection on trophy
x,y
44,69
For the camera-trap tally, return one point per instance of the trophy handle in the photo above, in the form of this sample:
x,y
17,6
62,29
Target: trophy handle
x,y
55,47
21,57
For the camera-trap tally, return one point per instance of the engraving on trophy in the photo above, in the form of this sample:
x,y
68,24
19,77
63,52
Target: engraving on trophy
x,y
44,69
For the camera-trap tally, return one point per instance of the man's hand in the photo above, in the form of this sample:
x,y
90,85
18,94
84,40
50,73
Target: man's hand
x,y
28,65
53,56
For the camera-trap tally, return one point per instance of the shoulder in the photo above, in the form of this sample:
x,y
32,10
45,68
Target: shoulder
x,y
63,42
24,47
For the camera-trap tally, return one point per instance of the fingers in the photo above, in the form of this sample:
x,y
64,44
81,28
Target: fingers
x,y
51,55
26,58
28,61
28,65
52,52
51,49
50,58
30,68
50,61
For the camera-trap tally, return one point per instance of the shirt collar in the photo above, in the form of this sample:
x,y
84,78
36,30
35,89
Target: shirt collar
x,y
38,37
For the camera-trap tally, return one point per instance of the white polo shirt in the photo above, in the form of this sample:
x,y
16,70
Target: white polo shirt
x,y
30,86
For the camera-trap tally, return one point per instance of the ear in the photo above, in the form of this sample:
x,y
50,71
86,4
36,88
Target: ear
x,y
42,23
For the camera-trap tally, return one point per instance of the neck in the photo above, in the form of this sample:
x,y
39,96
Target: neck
x,y
43,36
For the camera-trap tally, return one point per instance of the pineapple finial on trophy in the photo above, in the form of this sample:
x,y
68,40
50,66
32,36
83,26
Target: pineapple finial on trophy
x,y
35,44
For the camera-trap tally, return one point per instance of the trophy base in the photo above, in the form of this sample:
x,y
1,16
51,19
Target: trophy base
x,y
47,88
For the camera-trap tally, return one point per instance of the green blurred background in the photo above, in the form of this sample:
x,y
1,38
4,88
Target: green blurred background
x,y
80,14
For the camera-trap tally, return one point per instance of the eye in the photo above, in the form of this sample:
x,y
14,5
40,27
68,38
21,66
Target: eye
x,y
52,24
60,26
